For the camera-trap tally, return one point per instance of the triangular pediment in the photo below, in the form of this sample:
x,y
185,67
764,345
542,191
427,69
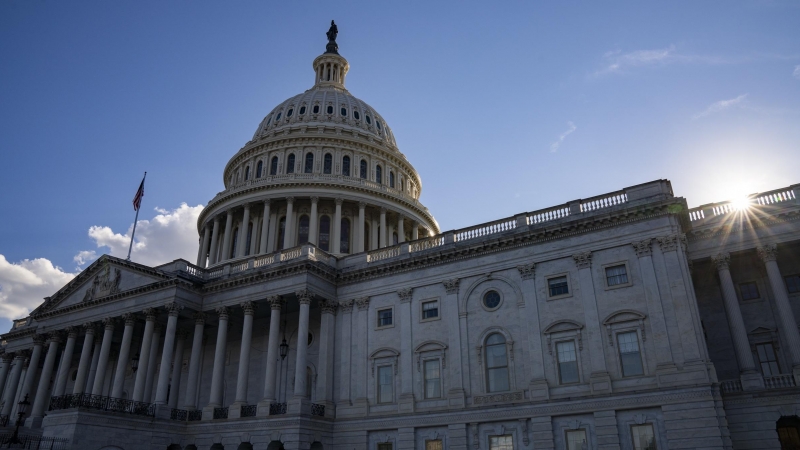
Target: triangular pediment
x,y
105,277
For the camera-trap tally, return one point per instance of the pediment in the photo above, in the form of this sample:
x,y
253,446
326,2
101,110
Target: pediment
x,y
627,315
430,346
563,325
106,276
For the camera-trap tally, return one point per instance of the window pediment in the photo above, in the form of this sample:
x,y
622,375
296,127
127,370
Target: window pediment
x,y
626,315
563,325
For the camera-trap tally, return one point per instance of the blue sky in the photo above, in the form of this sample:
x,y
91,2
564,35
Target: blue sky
x,y
502,108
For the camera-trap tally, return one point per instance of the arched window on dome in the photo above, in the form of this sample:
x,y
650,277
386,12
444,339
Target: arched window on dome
x,y
302,230
363,173
344,112
273,166
377,123
278,117
327,164
496,363
234,243
315,110
344,242
269,120
356,115
391,179
378,174
309,166
346,166
368,118
325,233
330,109
290,164
290,112
302,110
246,173
259,169
281,232
249,239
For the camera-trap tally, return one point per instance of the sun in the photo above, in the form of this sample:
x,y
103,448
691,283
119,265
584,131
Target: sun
x,y
741,203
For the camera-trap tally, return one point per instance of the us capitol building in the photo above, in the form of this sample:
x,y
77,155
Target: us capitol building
x,y
327,310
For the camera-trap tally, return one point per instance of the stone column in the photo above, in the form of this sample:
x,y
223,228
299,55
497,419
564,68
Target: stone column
x,y
33,367
768,254
401,231
652,296
751,379
124,355
177,365
382,237
212,256
218,373
414,230
249,309
359,359
201,254
289,231
42,399
254,236
102,361
599,379
6,365
275,304
262,248
227,237
456,396
93,366
685,309
64,365
304,298
152,360
86,357
194,362
10,392
326,364
162,389
144,355
312,222
273,233
406,397
538,387
345,365
241,243
360,239
374,234
336,245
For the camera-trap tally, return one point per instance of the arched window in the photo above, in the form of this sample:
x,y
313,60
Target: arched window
x,y
344,111
356,115
496,364
278,117
309,166
325,233
246,173
302,110
302,230
234,242
344,243
290,164
378,175
330,109
346,166
327,164
281,232
273,166
363,173
289,113
259,168
369,121
391,179
788,428
315,110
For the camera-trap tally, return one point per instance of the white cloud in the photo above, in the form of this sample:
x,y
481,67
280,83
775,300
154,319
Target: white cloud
x,y
170,235
23,285
84,257
616,61
555,145
720,106
796,72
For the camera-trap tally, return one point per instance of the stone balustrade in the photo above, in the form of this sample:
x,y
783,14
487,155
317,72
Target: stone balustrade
x,y
782,197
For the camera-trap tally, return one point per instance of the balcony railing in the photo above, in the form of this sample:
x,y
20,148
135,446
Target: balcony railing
x,y
102,403
277,409
36,442
781,196
221,413
178,414
3,420
249,411
772,382
317,410
195,415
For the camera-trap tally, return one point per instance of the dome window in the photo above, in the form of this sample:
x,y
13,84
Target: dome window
x,y
289,112
377,122
344,112
246,173
269,120
302,110
378,175
309,166
278,117
316,109
330,109
356,115
302,230
368,119
363,169
327,164
290,164
346,166
273,166
259,168
391,180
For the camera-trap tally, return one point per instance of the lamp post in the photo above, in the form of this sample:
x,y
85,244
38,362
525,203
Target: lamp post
x,y
22,409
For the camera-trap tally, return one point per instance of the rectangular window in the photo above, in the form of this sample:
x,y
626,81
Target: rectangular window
x,y
576,440
385,384
434,445
501,442
643,437
558,286
385,317
749,291
430,310
629,354
433,378
793,283
385,446
567,362
616,275
769,363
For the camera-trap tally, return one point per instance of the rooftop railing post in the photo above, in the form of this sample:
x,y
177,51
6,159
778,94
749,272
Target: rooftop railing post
x,y
574,207
449,237
522,220
796,189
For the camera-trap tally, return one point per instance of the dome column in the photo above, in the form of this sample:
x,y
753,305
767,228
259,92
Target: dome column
x,y
360,239
226,240
264,228
414,230
401,232
336,245
382,242
312,222
373,233
242,241
201,255
212,257
288,233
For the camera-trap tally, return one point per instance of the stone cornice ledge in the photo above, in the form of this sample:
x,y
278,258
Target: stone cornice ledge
x,y
291,268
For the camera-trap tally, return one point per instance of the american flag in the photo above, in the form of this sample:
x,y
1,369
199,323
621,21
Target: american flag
x,y
137,199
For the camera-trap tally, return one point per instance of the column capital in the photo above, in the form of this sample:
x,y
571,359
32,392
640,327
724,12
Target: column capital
x,y
643,247
109,323
527,271
314,199
668,243
199,317
173,308
290,200
248,307
23,354
222,312
267,201
362,205
72,332
216,218
246,206
339,201
362,303
39,339
276,302
383,210
451,285
129,318
8,357
405,294
721,260
150,314
346,306
327,307
55,336
768,252
583,260
89,327
304,296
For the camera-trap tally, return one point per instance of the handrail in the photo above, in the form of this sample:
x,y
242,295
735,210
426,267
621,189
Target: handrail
x,y
102,403
485,229
762,199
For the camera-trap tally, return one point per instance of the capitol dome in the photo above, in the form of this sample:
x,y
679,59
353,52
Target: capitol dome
x,y
322,168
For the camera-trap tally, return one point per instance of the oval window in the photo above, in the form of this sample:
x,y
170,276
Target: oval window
x,y
302,110
269,120
344,111
330,109
289,113
356,115
316,109
369,121
378,123
491,299
278,117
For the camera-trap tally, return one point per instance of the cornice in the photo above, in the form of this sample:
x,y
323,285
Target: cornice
x,y
290,269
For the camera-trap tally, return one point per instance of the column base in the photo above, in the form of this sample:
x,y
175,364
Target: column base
x,y
456,399
539,390
299,405
208,412
752,381
32,422
262,410
163,411
235,410
600,383
406,403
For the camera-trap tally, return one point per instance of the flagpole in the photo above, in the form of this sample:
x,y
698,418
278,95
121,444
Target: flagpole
x,y
136,219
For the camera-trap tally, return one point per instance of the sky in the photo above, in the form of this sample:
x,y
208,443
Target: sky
x,y
501,107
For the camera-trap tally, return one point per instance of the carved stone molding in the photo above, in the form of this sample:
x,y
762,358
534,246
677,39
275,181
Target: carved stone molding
x,y
275,302
304,296
451,285
668,243
248,307
527,271
346,306
327,307
362,303
199,318
583,260
150,314
643,248
722,261
173,309
129,318
222,312
505,397
768,252
405,294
